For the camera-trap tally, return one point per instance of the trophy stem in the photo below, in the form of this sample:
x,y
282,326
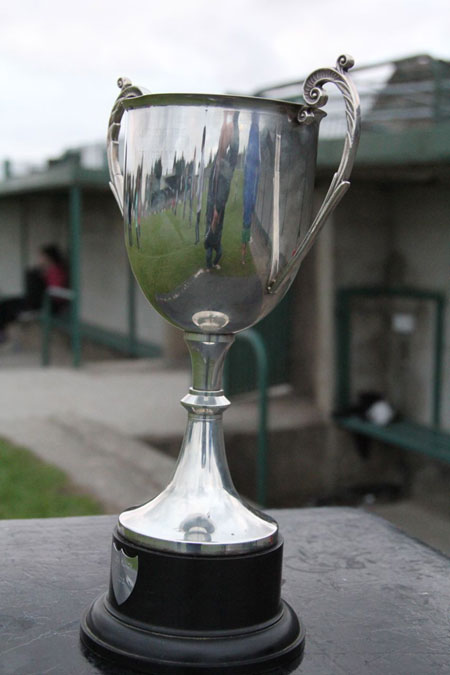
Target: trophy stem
x,y
200,511
208,354
202,461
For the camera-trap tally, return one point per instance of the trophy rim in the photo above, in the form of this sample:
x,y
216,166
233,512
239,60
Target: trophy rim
x,y
227,101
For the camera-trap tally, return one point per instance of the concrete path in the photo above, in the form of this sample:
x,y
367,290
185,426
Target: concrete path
x,y
89,422
115,469
130,399
139,398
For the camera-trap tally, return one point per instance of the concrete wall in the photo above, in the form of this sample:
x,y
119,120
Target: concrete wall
x,y
312,342
10,267
351,250
105,268
422,239
361,248
105,273
46,221
362,235
103,265
396,235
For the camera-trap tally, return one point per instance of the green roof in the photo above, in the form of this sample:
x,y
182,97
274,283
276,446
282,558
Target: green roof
x,y
57,177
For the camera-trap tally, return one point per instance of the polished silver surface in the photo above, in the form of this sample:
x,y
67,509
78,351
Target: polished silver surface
x,y
200,510
315,96
216,197
204,258
112,140
124,572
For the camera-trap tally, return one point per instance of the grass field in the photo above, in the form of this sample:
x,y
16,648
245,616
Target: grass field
x,y
168,254
30,488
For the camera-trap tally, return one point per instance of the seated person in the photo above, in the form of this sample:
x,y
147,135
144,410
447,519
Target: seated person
x,y
51,271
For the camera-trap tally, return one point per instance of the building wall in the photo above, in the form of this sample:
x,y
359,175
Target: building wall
x,y
312,351
105,273
391,236
361,247
351,250
421,240
46,222
10,265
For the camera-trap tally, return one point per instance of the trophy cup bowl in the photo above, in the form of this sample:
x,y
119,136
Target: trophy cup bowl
x,y
216,197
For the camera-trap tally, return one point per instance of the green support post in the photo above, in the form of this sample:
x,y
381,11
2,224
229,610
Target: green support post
x,y
23,243
46,327
262,366
438,353
438,94
131,313
75,207
7,173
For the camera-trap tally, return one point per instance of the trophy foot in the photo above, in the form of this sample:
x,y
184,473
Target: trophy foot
x,y
275,650
188,614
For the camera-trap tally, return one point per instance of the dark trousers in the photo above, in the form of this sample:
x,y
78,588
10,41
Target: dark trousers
x,y
197,227
209,254
10,310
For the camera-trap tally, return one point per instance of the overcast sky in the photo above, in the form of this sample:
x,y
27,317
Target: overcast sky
x,y
60,60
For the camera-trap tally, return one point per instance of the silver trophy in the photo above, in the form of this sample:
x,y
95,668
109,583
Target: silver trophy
x,y
216,196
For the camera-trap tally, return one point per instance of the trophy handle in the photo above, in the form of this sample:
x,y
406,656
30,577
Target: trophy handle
x,y
315,97
112,140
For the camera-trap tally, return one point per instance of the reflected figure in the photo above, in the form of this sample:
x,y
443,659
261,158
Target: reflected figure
x,y
219,187
201,178
158,198
138,198
251,181
129,207
191,185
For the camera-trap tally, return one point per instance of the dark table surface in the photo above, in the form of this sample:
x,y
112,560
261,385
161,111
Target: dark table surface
x,y
373,600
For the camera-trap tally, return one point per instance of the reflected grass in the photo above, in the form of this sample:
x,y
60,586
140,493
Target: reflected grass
x,y
168,255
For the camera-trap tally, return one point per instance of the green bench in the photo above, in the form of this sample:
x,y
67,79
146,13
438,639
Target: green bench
x,y
407,435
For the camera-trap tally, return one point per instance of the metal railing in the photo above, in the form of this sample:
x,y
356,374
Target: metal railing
x,y
394,95
48,320
257,344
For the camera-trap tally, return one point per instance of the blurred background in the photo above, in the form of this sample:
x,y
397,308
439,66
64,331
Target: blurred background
x,y
342,395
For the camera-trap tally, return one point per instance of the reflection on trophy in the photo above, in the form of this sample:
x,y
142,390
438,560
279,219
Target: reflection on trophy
x,y
216,196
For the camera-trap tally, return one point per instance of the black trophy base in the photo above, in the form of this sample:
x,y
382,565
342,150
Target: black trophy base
x,y
195,615
275,649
